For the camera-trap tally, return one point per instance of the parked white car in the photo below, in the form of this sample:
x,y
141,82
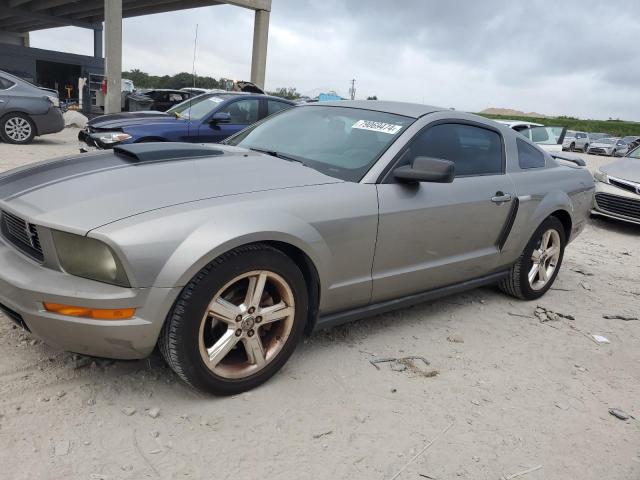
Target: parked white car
x,y
548,138
576,141
612,147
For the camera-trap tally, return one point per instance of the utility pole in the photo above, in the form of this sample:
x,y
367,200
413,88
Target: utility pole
x,y
352,90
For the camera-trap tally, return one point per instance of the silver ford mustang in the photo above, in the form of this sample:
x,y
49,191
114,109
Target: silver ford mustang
x,y
225,255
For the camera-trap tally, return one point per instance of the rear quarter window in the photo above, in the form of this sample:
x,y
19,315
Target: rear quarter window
x,y
529,156
5,83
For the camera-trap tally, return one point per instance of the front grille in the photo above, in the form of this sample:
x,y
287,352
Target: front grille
x,y
599,151
14,316
627,207
21,234
631,187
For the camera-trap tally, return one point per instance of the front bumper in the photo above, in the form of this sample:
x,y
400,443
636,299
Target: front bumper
x,y
25,285
50,122
614,202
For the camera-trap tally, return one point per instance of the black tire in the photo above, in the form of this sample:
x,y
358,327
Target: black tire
x,y
613,154
6,123
517,283
572,147
585,148
179,339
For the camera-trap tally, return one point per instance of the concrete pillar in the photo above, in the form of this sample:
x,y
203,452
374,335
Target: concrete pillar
x,y
97,42
113,54
260,38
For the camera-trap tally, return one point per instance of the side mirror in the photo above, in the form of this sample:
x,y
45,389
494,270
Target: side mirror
x,y
220,117
426,169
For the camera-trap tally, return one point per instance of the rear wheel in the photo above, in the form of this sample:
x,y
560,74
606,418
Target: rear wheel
x,y
537,268
237,322
572,147
17,128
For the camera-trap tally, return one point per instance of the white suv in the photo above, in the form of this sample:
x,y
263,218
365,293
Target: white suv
x,y
576,141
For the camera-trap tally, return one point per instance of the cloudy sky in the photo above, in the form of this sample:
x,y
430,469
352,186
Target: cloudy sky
x,y
556,57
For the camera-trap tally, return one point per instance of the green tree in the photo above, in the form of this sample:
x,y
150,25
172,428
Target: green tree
x,y
374,97
288,93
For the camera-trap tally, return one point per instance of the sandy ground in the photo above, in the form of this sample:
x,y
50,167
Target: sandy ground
x,y
511,393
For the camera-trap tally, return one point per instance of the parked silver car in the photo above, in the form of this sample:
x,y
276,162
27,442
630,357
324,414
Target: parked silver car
x,y
576,141
618,189
612,147
27,111
324,213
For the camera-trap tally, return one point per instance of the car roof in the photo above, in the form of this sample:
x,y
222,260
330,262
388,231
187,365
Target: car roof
x,y
413,110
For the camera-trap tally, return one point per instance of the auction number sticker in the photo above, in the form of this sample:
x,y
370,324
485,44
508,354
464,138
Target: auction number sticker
x,y
382,127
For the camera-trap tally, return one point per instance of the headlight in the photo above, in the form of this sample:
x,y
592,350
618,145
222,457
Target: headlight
x,y
601,176
89,258
114,137
54,100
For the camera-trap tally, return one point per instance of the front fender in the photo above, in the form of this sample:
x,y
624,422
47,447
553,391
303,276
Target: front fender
x,y
226,234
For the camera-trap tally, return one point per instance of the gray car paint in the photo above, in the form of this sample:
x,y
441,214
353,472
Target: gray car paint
x,y
368,241
25,98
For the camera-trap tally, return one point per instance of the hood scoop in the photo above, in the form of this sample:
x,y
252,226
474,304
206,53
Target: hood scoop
x,y
163,151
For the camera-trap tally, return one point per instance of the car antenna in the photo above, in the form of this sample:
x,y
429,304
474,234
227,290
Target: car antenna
x,y
193,73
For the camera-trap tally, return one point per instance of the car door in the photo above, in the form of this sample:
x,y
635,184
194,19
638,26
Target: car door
x,y
242,112
432,235
5,85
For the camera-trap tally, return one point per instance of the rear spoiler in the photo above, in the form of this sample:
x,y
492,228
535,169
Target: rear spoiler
x,y
567,157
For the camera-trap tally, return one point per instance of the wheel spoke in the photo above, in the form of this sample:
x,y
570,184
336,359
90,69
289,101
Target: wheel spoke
x,y
544,244
225,311
255,290
552,251
533,273
255,350
275,312
543,273
222,347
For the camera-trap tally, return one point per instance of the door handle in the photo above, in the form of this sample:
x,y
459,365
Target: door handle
x,y
501,197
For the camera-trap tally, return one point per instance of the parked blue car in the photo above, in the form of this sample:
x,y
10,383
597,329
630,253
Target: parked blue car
x,y
207,118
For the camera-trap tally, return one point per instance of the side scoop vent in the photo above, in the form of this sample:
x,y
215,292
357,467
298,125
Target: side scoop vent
x,y
160,151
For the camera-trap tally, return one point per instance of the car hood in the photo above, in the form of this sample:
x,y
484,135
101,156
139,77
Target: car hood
x,y
130,119
80,193
601,145
624,169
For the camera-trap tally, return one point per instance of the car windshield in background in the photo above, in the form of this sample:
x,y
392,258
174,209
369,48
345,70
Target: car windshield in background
x,y
198,107
570,133
607,141
337,141
634,153
544,135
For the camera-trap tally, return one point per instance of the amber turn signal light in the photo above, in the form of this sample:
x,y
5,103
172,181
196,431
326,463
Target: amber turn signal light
x,y
95,313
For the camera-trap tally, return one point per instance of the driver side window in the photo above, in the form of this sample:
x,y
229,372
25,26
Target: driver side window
x,y
474,150
243,112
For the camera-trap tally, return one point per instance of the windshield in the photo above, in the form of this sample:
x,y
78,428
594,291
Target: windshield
x,y
608,141
198,107
337,141
544,135
570,133
635,153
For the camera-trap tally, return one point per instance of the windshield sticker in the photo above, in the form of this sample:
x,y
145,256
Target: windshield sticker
x,y
216,99
377,126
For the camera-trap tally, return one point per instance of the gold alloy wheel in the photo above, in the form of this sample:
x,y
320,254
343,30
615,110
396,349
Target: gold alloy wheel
x,y
246,324
545,259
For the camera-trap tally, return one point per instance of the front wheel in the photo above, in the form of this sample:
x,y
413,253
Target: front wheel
x,y
537,268
237,322
585,148
572,147
17,128
614,153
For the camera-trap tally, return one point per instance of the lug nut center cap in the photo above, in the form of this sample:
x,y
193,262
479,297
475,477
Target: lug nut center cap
x,y
247,323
